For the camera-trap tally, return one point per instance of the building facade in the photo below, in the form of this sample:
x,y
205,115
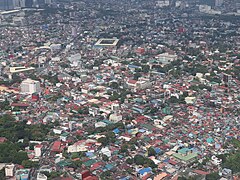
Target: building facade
x,y
30,86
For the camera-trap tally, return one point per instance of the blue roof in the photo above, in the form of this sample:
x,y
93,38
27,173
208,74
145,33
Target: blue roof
x,y
145,170
133,66
166,160
116,131
210,140
125,178
217,146
130,131
89,154
157,150
109,166
154,101
141,130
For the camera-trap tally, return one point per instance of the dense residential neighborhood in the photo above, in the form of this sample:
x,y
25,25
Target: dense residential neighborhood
x,y
120,90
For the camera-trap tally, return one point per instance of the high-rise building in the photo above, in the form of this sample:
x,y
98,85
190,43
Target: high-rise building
x,y
38,3
29,3
218,3
19,3
30,86
207,2
48,1
74,31
9,170
6,4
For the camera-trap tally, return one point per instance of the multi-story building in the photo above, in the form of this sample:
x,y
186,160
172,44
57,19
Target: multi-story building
x,y
30,86
9,170
28,3
19,3
6,5
38,150
218,3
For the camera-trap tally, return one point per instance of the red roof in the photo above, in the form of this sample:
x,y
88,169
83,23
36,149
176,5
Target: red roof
x,y
39,146
131,81
201,172
20,104
172,162
96,166
3,139
145,177
56,146
91,178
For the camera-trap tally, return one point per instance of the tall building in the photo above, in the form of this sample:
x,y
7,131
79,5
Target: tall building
x,y
38,3
207,2
74,31
19,3
6,4
9,170
218,3
29,3
30,86
48,1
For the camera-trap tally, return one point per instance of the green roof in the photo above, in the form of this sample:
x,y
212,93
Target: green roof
x,y
185,157
107,121
64,163
89,162
115,152
147,126
183,150
65,134
147,139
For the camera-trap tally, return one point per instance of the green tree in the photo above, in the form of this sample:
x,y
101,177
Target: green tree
x,y
2,174
31,146
232,162
29,164
114,85
137,75
20,157
103,140
151,151
145,68
105,157
130,161
213,176
105,175
124,148
139,160
75,155
114,96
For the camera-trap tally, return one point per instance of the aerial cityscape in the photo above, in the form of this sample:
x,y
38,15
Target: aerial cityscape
x,y
120,90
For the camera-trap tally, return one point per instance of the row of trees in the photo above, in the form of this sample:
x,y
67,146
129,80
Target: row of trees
x,y
14,131
141,160
11,152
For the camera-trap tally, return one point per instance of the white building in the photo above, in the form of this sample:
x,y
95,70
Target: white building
x,y
106,151
38,150
166,58
41,176
115,117
30,86
218,3
18,3
48,1
76,148
55,47
163,3
9,170
204,8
